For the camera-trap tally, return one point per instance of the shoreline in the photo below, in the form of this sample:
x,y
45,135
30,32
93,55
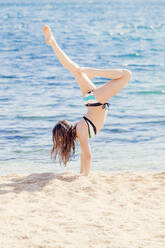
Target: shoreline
x,y
116,210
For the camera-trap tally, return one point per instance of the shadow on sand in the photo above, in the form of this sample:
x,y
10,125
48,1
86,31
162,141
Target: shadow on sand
x,y
33,182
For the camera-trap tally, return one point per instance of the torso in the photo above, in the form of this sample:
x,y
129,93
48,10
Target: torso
x,y
97,115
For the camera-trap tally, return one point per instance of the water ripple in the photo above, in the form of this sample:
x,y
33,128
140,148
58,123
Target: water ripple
x,y
36,91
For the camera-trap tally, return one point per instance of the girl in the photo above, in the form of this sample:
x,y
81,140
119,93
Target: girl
x,y
64,134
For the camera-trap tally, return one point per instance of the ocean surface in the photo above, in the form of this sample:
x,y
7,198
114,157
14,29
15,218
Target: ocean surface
x,y
36,91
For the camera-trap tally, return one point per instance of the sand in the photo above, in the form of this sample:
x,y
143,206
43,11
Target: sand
x,y
104,210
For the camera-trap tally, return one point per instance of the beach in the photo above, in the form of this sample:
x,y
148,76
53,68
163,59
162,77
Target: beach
x,y
121,204
65,210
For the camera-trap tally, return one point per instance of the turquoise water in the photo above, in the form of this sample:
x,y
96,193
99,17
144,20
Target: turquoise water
x,y
36,91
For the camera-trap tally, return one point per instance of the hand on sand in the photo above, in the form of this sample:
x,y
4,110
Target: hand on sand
x,y
48,35
83,174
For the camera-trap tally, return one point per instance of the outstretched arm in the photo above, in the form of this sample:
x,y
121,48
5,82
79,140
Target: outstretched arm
x,y
86,155
85,164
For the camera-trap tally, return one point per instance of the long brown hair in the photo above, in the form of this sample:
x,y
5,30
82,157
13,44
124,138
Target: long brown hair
x,y
64,141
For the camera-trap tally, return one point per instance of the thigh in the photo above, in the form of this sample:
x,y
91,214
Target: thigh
x,y
84,82
106,91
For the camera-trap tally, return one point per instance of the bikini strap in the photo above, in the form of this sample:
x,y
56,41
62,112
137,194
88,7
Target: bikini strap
x,y
104,105
87,120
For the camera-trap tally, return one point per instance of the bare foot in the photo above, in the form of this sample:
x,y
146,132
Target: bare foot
x,y
48,35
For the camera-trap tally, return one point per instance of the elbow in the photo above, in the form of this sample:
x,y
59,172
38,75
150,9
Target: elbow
x,y
88,156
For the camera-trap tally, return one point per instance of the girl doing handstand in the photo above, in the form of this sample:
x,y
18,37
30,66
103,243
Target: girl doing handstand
x,y
64,134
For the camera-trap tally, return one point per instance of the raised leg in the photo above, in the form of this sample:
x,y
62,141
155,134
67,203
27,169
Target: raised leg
x,y
107,73
84,82
81,78
83,74
106,91
119,77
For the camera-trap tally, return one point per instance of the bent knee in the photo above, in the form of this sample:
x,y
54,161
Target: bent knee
x,y
127,74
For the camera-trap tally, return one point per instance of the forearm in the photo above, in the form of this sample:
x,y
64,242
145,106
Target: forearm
x,y
85,164
108,73
63,58
82,168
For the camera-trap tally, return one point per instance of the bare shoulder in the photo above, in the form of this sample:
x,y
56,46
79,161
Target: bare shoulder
x,y
82,130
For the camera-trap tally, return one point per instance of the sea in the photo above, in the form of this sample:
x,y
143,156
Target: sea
x,y
36,91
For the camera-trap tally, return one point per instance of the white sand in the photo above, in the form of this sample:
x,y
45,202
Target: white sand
x,y
118,210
